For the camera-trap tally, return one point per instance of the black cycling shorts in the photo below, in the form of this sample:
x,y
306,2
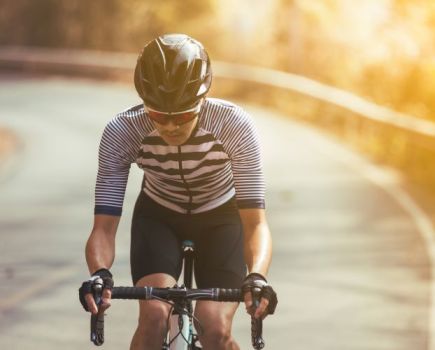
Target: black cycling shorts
x,y
157,233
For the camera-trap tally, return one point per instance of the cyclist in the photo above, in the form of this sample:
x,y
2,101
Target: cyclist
x,y
203,181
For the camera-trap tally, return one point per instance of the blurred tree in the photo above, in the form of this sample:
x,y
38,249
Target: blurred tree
x,y
141,21
100,24
28,22
382,49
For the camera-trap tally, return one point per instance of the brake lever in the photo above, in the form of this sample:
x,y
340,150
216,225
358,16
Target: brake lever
x,y
257,323
97,321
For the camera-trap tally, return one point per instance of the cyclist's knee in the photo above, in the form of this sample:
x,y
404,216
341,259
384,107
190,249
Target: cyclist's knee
x,y
153,314
153,317
218,337
151,327
216,333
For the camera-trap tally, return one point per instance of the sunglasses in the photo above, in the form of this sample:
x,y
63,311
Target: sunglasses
x,y
178,118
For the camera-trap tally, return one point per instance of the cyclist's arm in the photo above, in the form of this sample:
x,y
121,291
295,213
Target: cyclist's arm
x,y
258,240
100,252
258,251
100,248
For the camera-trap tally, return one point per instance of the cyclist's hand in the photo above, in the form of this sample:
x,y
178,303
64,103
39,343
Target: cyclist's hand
x,y
254,288
95,293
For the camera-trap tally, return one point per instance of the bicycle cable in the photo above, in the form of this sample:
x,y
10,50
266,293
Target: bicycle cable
x,y
182,311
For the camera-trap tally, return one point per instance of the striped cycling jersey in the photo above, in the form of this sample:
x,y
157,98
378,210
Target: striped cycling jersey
x,y
219,160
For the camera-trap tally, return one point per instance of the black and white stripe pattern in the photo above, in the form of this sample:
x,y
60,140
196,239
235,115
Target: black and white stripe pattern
x,y
221,159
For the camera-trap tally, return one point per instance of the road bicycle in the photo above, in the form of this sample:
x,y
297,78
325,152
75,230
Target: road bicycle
x,y
181,334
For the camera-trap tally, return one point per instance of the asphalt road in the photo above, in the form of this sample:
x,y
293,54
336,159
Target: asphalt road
x,y
349,263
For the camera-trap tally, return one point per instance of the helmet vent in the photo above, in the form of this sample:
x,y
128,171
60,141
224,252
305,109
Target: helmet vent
x,y
197,72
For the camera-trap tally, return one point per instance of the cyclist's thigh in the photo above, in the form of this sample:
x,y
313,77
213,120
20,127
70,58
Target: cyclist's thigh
x,y
219,254
154,247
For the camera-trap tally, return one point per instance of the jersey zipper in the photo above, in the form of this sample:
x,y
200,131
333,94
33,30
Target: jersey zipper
x,y
180,164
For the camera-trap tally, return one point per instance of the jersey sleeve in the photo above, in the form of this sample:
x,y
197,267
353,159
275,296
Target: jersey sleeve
x,y
246,164
113,170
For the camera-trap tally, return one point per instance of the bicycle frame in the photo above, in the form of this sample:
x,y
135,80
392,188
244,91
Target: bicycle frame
x,y
181,330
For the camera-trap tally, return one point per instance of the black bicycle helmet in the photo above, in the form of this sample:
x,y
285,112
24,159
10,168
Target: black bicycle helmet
x,y
172,73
